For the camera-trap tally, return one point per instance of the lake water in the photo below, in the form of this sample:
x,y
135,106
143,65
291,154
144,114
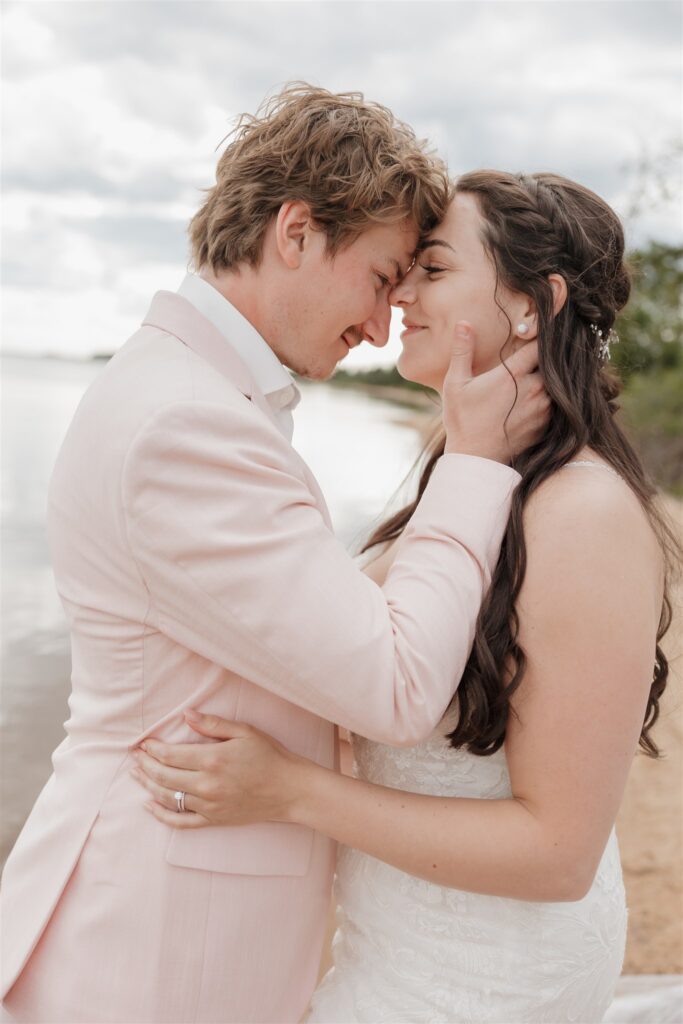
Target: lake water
x,y
359,448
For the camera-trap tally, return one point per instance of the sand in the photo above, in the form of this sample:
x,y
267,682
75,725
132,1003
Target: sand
x,y
650,826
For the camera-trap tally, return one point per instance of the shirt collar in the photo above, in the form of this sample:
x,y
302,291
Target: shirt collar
x,y
268,372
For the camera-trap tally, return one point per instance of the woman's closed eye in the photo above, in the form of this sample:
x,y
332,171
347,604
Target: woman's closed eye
x,y
431,270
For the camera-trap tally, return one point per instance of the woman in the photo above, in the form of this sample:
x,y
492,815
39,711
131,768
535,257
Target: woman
x,y
479,878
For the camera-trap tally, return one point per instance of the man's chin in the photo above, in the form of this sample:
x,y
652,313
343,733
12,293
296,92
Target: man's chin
x,y
321,373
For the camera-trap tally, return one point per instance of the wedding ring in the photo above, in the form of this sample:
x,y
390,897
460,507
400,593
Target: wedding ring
x,y
179,801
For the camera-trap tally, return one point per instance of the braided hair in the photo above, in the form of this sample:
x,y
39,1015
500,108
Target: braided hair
x,y
534,226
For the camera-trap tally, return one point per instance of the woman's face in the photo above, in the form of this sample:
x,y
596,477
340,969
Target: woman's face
x,y
452,279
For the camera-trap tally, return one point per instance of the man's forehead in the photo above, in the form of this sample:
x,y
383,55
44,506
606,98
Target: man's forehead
x,y
400,262
397,248
399,269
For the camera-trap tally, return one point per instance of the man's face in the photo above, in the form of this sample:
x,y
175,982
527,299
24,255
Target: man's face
x,y
336,302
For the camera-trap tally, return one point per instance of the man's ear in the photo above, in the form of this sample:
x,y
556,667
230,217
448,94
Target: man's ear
x,y
293,229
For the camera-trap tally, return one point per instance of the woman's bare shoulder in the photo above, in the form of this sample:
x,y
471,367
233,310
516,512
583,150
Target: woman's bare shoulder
x,y
593,517
586,490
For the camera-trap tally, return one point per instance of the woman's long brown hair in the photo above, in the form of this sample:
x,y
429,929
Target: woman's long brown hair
x,y
534,226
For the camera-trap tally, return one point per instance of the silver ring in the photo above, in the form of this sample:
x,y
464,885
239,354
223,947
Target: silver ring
x,y
179,801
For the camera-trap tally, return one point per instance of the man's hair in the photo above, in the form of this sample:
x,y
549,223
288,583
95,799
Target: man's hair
x,y
351,161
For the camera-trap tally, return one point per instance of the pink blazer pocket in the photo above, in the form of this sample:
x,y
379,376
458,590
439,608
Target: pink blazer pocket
x,y
271,848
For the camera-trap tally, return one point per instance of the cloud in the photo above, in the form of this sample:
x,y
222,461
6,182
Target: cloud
x,y
157,239
113,111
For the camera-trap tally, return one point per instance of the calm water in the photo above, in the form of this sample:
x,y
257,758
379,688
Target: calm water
x,y
360,450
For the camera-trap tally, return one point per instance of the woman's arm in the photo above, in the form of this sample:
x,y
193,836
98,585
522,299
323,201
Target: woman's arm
x,y
588,611
588,615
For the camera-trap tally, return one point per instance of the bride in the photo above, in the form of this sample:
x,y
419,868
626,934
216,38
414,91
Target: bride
x,y
479,876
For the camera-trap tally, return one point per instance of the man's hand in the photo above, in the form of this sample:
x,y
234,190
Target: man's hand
x,y
247,778
498,414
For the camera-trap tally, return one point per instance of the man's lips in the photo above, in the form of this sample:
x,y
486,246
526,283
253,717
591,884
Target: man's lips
x,y
349,340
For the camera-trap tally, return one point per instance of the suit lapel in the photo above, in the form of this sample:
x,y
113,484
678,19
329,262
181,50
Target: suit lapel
x,y
175,315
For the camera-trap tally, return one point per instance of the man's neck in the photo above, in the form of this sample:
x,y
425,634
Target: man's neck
x,y
239,288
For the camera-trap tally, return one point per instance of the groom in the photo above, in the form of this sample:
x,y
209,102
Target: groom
x,y
194,556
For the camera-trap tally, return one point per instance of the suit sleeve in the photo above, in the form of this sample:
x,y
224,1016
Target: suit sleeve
x,y
241,568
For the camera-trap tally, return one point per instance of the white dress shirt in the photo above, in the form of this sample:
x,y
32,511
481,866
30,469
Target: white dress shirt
x,y
269,374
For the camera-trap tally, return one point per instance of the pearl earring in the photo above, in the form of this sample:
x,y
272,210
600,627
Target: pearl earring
x,y
522,328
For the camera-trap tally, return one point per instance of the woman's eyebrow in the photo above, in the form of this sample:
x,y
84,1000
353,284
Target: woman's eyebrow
x,y
429,242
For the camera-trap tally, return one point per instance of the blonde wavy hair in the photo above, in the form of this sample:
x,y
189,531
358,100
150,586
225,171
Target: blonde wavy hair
x,y
350,160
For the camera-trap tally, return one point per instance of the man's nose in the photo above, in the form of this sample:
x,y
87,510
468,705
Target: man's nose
x,y
403,293
376,329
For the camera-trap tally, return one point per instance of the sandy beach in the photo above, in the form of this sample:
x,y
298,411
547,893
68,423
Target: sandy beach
x,y
650,825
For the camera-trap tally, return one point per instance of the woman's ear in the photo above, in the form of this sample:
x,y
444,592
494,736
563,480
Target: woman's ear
x,y
293,226
526,326
559,287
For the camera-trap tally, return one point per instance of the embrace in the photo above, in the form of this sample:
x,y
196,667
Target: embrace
x,y
495,657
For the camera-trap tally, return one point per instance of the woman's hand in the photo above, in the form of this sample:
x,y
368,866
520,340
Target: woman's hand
x,y
244,778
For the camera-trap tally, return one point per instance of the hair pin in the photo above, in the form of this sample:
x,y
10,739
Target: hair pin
x,y
604,341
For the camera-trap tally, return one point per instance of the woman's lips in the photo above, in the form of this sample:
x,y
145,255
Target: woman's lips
x,y
410,328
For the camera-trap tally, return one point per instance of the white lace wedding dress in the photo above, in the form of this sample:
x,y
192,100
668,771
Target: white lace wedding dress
x,y
410,951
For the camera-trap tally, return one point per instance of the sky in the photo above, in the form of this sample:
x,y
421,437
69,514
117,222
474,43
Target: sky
x,y
113,114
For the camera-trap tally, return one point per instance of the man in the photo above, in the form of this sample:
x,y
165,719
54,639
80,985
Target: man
x,y
195,560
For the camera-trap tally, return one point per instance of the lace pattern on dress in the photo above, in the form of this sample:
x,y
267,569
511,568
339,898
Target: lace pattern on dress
x,y
407,950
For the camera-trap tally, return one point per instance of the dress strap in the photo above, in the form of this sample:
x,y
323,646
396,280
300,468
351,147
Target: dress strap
x,y
593,465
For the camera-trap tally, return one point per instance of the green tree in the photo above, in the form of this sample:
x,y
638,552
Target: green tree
x,y
651,328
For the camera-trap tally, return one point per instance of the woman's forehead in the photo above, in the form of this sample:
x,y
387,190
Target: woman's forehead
x,y
461,226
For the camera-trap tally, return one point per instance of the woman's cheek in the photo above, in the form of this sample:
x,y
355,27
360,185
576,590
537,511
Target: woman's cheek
x,y
437,357
485,358
443,345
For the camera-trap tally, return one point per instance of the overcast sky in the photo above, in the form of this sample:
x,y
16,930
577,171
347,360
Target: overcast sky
x,y
112,112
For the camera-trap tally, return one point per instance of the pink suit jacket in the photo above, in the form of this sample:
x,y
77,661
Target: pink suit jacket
x,y
194,556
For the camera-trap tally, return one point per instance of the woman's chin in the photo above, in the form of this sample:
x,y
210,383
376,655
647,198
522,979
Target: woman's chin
x,y
411,371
